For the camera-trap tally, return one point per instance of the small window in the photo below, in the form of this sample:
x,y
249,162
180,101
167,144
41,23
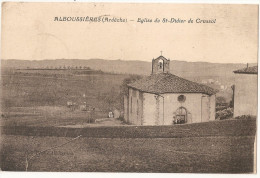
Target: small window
x,y
181,98
160,64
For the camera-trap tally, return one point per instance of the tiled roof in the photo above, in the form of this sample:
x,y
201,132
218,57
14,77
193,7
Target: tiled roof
x,y
169,83
248,70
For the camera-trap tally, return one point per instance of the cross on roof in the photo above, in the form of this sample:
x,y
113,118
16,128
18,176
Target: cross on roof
x,y
161,53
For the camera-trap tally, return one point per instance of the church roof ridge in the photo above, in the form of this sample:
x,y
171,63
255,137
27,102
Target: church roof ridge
x,y
161,56
169,83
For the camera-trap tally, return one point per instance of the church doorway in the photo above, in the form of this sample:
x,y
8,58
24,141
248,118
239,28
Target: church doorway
x,y
180,116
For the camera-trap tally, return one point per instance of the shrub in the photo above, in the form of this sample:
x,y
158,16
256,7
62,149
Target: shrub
x,y
121,118
224,114
245,117
91,120
219,108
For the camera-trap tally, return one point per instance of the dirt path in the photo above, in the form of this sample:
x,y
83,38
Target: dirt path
x,y
99,122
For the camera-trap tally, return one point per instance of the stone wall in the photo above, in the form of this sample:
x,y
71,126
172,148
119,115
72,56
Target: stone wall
x,y
205,104
153,109
212,113
135,107
149,109
245,100
126,106
192,104
160,109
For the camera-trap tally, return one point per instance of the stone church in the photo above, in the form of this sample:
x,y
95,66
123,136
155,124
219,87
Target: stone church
x,y
166,99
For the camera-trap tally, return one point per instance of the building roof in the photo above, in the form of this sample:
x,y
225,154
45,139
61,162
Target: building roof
x,y
161,57
169,83
248,70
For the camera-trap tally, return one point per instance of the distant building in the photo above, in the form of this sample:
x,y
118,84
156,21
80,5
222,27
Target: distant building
x,y
165,99
245,91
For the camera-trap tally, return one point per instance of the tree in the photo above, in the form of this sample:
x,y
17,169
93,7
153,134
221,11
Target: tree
x,y
111,98
220,100
231,104
124,88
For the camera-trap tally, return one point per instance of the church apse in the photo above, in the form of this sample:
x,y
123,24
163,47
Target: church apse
x,y
167,99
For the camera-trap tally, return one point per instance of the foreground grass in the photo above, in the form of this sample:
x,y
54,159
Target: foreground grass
x,y
222,154
230,127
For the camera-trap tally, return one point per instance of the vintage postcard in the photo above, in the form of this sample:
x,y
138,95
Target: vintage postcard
x,y
129,87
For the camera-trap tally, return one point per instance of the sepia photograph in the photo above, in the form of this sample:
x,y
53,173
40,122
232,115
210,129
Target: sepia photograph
x,y
129,87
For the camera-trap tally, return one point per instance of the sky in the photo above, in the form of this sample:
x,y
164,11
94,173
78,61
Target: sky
x,y
29,32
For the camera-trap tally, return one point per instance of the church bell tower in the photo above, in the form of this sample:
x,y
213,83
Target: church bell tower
x,y
160,65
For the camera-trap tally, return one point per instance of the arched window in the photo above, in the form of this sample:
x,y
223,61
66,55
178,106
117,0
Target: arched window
x,y
180,116
160,64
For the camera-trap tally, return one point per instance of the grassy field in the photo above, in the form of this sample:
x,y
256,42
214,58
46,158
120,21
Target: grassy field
x,y
55,88
197,148
46,116
39,97
197,155
232,127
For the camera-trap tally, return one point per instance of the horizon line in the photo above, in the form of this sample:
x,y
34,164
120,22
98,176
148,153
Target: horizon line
x,y
131,60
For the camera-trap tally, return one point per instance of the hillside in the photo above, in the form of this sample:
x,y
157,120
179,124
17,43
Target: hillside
x,y
54,88
182,68
217,75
